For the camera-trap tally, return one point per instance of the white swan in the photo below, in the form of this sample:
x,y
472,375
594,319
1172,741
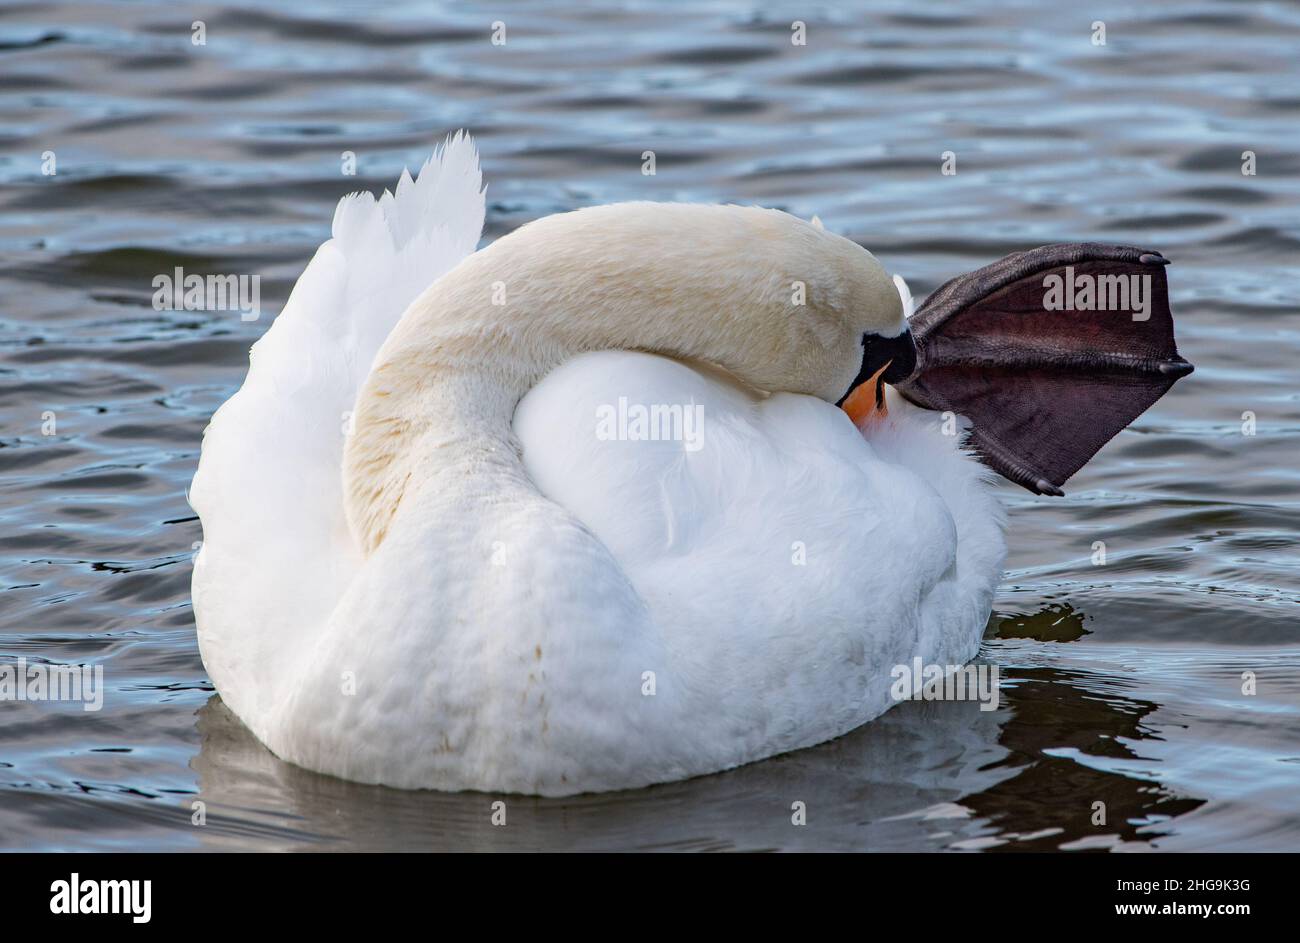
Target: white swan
x,y
427,564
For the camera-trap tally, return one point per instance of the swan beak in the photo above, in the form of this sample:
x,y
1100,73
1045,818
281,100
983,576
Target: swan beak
x,y
866,404
884,360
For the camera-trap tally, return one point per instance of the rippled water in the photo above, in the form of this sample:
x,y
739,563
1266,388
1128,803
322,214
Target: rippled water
x,y
1122,682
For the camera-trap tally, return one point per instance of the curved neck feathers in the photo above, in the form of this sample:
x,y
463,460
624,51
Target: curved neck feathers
x,y
708,283
438,406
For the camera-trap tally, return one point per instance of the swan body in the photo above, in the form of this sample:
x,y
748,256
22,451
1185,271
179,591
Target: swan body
x,y
437,555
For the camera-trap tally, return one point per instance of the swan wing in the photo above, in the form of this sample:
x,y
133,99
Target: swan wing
x,y
277,553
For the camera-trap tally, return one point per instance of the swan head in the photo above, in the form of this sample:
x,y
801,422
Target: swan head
x,y
776,300
877,318
852,328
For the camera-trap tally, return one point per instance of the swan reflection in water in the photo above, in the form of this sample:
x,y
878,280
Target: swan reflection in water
x,y
925,775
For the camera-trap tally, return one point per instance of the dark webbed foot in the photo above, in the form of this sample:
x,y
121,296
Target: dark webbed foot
x,y
1049,353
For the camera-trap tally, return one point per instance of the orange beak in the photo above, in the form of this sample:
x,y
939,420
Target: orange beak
x,y
866,404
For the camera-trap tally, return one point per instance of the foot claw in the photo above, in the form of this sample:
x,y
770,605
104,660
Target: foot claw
x,y
1046,487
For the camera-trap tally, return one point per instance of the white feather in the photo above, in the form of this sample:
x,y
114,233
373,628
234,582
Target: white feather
x,y
277,552
905,293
